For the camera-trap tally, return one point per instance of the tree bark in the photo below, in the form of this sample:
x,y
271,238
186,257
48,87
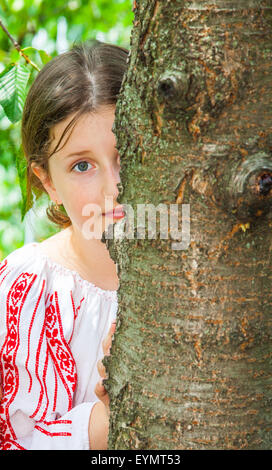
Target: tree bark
x,y
191,358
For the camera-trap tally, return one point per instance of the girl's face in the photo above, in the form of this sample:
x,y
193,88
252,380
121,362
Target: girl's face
x,y
86,171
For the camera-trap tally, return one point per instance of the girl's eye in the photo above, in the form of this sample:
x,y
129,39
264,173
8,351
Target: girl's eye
x,y
83,166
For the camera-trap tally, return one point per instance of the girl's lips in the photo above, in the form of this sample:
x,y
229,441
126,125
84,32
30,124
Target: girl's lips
x,y
117,213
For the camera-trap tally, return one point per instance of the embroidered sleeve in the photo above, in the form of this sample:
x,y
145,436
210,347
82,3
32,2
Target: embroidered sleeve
x,y
38,371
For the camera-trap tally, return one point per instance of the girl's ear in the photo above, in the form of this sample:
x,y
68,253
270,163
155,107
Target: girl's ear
x,y
46,181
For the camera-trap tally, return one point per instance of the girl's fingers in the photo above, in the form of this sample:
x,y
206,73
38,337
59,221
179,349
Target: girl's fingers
x,y
100,390
101,369
106,343
102,394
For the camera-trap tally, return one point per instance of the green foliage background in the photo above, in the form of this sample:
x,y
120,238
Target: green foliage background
x,y
50,27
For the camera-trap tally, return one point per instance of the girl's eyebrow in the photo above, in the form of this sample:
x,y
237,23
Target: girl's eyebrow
x,y
77,152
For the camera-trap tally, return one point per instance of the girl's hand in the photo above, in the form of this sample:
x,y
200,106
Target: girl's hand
x,y
100,390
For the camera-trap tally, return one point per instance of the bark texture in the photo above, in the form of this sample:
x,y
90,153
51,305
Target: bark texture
x,y
191,358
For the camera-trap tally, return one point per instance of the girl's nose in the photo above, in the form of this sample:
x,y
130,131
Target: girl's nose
x,y
111,179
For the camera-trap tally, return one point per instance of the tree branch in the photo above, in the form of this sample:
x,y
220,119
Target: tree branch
x,y
17,46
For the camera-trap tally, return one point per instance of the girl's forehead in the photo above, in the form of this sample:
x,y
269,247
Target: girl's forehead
x,y
92,126
102,116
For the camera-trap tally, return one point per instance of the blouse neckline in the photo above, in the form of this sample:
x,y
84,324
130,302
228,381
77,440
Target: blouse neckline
x,y
112,294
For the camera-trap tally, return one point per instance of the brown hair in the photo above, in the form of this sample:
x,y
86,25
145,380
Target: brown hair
x,y
78,81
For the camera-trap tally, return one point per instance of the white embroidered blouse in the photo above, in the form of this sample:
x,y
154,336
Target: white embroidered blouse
x,y
52,323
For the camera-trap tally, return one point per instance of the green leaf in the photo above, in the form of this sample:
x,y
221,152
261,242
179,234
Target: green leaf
x,y
13,82
43,54
2,113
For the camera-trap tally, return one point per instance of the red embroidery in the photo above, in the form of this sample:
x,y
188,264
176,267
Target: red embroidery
x,y
45,387
75,313
59,349
56,390
37,370
79,307
59,421
29,333
11,445
52,434
3,266
15,300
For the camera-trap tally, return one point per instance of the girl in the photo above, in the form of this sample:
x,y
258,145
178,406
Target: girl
x,y
58,298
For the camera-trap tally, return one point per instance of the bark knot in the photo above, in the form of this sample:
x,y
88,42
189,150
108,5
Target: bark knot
x,y
172,88
250,187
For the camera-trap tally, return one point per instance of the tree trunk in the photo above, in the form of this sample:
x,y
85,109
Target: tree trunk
x,y
191,358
